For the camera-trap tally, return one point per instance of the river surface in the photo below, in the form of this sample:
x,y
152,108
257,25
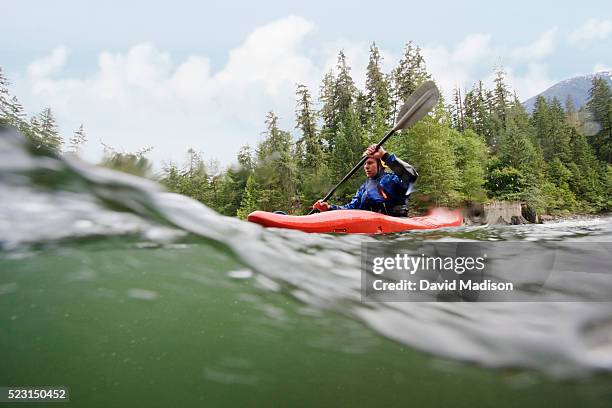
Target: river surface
x,y
132,296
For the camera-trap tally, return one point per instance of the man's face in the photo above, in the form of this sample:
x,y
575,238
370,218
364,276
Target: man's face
x,y
370,167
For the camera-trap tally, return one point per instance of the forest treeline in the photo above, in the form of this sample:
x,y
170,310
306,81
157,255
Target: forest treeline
x,y
478,146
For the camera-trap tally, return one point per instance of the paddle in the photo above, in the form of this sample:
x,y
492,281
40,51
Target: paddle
x,y
422,100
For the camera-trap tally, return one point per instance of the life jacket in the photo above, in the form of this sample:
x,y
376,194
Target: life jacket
x,y
376,199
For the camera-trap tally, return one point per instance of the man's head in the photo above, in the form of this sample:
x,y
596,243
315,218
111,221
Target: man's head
x,y
372,166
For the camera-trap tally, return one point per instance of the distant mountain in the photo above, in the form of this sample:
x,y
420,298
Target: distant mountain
x,y
577,87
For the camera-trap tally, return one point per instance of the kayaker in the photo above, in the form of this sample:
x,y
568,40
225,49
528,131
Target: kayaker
x,y
382,192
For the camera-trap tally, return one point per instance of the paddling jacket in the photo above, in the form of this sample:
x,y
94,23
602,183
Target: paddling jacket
x,y
388,192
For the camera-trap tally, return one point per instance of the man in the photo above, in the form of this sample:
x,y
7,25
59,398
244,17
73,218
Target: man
x,y
382,192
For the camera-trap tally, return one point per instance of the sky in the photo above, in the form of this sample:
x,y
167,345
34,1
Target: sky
x,y
203,75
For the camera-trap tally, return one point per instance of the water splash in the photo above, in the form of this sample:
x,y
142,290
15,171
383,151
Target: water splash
x,y
56,199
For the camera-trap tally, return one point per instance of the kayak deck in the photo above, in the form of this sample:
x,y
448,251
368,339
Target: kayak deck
x,y
357,221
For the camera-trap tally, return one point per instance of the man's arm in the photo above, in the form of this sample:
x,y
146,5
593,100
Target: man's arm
x,y
354,203
324,206
403,170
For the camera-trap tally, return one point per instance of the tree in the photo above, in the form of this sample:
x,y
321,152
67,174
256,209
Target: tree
x,y
557,191
132,162
328,114
587,179
234,183
477,112
470,151
191,180
78,139
429,147
272,185
4,100
501,95
407,76
456,111
250,198
345,88
347,152
600,107
377,93
11,111
572,117
337,94
44,133
552,131
310,154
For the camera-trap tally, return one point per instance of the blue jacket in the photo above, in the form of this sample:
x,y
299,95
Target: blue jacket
x,y
387,193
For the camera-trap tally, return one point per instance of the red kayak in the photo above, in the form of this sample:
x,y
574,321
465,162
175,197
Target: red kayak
x,y
357,221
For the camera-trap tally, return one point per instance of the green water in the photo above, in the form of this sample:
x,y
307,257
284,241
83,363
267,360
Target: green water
x,y
167,326
133,297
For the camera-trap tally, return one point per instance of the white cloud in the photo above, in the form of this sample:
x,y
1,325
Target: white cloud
x,y
533,81
460,67
269,56
475,57
142,97
593,29
50,64
473,48
543,46
602,67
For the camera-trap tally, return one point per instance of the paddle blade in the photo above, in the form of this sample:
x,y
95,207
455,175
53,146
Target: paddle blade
x,y
419,104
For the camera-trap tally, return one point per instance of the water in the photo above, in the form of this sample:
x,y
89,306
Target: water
x,y
132,296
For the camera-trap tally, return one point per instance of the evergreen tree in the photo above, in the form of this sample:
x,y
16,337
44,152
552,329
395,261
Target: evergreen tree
x,y
456,111
347,151
191,180
34,133
516,148
429,147
477,114
377,94
250,199
234,183
328,112
600,107
11,111
552,131
313,174
559,197
45,132
361,109
4,100
77,140
376,127
587,176
541,119
345,88
501,95
407,76
17,115
470,151
272,185
572,117
132,163
311,152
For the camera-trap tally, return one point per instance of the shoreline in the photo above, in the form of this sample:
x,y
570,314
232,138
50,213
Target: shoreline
x,y
552,219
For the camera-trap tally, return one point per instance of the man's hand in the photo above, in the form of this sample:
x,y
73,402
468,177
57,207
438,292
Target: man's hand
x,y
321,206
373,153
